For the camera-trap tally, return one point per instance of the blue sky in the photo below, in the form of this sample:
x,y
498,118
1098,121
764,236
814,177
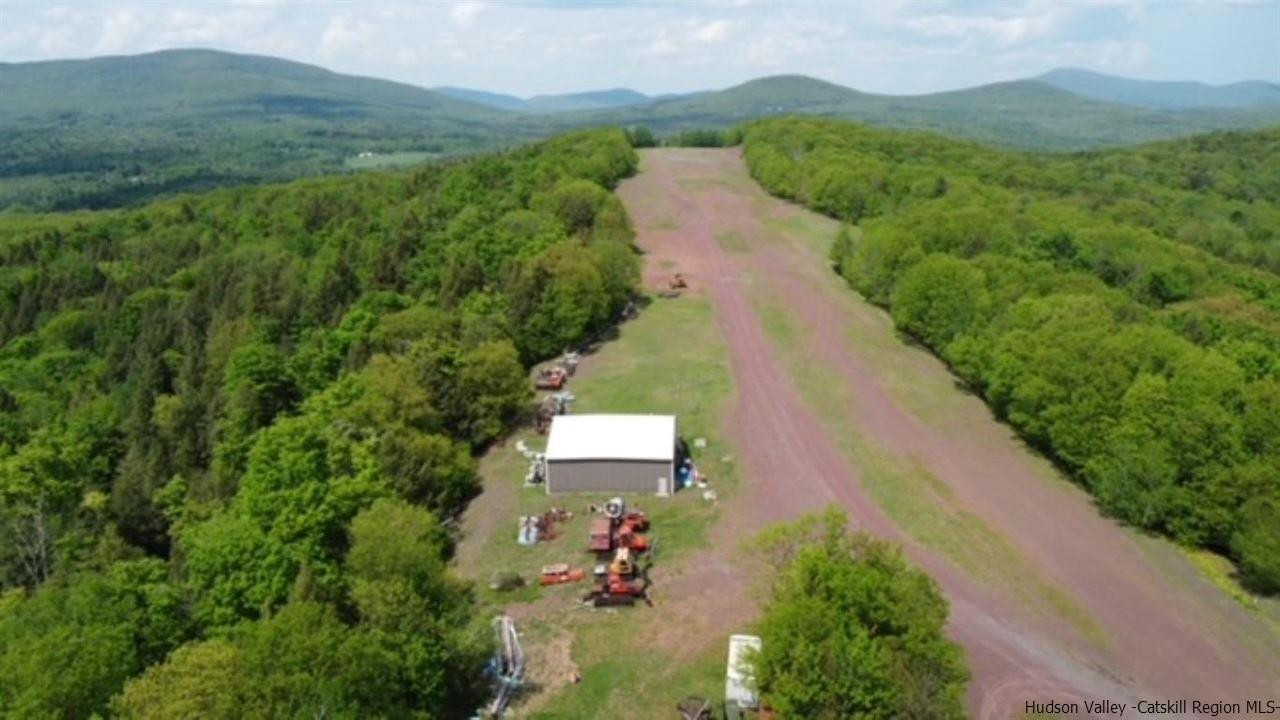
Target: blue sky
x,y
897,46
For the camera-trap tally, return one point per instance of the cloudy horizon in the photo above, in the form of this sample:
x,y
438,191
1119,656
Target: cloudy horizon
x,y
899,47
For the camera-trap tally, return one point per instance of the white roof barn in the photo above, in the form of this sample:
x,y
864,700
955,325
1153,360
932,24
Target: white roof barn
x,y
611,453
612,437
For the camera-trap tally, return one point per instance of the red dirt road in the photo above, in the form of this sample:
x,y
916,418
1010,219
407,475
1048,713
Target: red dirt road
x,y
1166,636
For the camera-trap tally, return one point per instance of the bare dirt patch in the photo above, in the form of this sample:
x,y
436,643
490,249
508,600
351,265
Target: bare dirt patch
x,y
551,668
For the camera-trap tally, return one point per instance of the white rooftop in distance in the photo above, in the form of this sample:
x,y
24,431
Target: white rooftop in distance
x,y
612,437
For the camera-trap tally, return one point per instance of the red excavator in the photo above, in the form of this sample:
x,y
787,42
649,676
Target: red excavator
x,y
617,590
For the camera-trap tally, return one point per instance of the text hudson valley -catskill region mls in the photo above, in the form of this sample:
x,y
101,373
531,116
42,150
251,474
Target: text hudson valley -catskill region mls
x,y
1155,708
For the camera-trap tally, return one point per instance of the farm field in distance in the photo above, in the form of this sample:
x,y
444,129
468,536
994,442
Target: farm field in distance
x,y
373,161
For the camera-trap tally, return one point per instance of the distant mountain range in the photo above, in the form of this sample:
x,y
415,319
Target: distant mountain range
x,y
111,130
1022,113
1150,94
543,104
1162,95
1065,109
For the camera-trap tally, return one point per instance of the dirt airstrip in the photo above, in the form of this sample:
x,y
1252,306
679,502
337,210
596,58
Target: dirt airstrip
x,y
1140,624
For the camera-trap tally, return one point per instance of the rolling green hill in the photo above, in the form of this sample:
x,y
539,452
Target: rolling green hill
x,y
1161,95
107,131
1026,114
189,82
114,131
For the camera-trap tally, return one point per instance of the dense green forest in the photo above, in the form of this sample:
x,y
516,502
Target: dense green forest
x,y
233,427
112,131
1120,309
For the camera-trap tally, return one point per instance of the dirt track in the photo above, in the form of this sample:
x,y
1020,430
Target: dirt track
x,y
1168,634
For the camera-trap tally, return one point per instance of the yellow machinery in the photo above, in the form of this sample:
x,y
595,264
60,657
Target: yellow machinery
x,y
622,564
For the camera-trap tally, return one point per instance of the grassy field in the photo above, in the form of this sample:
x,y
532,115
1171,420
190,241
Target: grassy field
x,y
918,503
1223,574
388,160
921,505
668,360
905,369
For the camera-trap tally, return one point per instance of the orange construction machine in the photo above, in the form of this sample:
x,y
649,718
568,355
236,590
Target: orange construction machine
x,y
618,528
616,540
560,573
616,590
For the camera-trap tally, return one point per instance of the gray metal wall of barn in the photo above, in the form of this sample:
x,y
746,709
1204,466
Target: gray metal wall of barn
x,y
612,476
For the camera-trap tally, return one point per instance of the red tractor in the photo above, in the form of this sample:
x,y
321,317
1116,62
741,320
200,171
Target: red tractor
x,y
634,521
616,590
551,378
609,533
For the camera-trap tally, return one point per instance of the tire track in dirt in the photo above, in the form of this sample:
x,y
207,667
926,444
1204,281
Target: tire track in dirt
x,y
790,466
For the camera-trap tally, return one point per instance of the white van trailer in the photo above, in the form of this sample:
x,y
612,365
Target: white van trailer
x,y
740,678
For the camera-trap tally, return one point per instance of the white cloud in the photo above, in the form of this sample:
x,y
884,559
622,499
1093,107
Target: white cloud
x,y
1115,55
1003,30
508,40
12,38
61,13
714,32
57,41
345,32
242,25
464,13
118,29
662,46
186,26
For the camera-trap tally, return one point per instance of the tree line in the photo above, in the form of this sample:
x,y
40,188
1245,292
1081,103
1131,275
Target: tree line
x,y
233,427
1120,309
642,137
